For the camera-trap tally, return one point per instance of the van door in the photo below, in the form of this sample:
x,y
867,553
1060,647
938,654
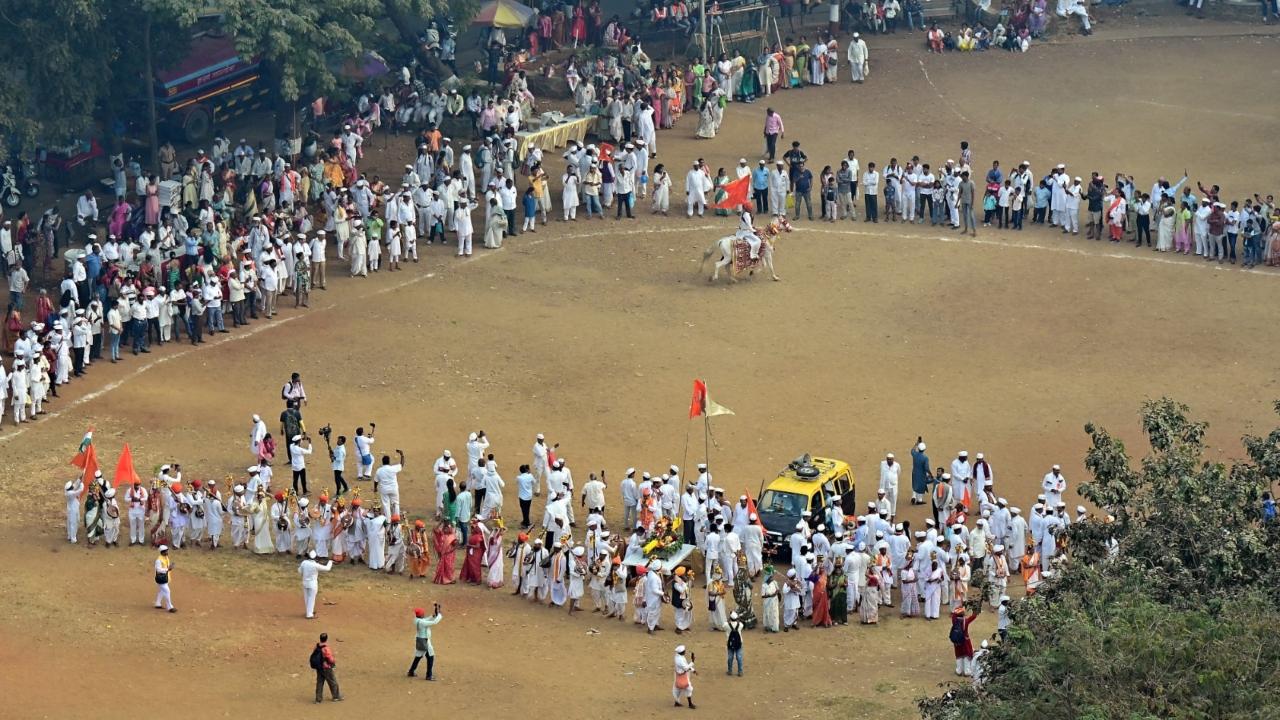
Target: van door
x,y
848,501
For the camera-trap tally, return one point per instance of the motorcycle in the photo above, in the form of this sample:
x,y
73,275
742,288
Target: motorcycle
x,y
13,187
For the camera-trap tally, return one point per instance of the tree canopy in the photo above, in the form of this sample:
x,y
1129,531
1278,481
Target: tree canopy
x,y
74,63
1170,610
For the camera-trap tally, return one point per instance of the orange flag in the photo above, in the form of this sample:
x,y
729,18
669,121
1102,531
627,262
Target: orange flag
x,y
87,461
751,508
735,193
125,474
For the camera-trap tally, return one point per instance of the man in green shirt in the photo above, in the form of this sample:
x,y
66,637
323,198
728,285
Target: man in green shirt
x,y
422,642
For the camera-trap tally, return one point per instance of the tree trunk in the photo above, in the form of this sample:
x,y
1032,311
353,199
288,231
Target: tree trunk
x,y
429,63
284,110
149,85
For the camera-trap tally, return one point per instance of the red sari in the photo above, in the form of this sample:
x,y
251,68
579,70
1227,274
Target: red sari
x,y
821,603
471,567
444,541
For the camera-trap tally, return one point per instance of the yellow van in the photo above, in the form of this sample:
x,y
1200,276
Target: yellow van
x,y
806,484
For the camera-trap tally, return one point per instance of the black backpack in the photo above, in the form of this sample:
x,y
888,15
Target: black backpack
x,y
317,658
735,638
957,631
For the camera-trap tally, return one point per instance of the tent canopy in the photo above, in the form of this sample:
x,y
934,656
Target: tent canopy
x,y
504,14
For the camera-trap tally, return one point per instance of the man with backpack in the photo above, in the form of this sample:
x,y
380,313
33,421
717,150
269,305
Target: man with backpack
x,y
323,663
734,645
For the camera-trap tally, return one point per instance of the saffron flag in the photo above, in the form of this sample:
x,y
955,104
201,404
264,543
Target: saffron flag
x,y
125,474
87,461
702,404
751,509
735,193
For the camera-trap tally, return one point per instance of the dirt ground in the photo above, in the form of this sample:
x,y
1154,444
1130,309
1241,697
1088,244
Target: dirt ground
x,y
592,332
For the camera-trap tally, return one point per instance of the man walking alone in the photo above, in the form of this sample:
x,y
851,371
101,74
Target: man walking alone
x,y
323,662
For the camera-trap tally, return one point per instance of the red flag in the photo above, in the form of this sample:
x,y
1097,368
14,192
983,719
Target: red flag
x,y
751,509
87,461
125,474
699,399
735,193
606,152
702,404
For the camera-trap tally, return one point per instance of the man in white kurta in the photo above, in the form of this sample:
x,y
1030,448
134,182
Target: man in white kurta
x,y
1054,485
858,56
683,676
653,597
753,545
961,473
72,490
890,468
695,190
310,571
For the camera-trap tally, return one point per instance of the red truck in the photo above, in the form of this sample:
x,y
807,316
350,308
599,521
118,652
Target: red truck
x,y
211,84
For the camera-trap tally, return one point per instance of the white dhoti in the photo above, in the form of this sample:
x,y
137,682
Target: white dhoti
x,y
309,599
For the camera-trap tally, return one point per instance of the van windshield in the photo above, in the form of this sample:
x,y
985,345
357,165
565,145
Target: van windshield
x,y
773,502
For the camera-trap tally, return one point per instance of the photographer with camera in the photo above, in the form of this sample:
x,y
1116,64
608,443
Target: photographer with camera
x,y
299,449
337,460
422,641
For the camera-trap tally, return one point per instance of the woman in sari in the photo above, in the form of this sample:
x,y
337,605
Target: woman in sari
x,y
787,78
260,524
93,520
960,581
493,557
1039,18
1164,231
821,601
153,201
706,121
1273,245
419,559
119,218
910,595
675,101
12,330
472,573
1182,230
869,603
444,541
838,594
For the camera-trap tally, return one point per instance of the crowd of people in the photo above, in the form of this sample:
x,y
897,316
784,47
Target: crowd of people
x,y
654,540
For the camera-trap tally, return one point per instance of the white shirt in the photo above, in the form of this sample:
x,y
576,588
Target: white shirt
x,y
593,491
870,183
298,456
889,474
387,477
310,571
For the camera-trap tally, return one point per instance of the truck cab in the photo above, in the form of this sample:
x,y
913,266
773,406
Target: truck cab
x,y
806,484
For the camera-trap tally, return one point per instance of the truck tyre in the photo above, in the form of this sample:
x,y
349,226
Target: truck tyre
x,y
196,125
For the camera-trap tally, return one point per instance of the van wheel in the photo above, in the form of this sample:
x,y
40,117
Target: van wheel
x,y
195,127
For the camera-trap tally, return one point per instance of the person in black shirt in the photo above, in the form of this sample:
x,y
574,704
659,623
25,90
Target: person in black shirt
x,y
802,182
795,158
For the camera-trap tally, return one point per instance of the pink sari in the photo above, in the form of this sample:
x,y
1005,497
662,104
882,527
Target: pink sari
x,y
444,540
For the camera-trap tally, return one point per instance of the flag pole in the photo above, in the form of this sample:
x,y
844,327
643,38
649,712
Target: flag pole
x,y
685,461
706,439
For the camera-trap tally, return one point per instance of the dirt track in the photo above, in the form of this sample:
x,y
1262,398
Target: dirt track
x,y
592,333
